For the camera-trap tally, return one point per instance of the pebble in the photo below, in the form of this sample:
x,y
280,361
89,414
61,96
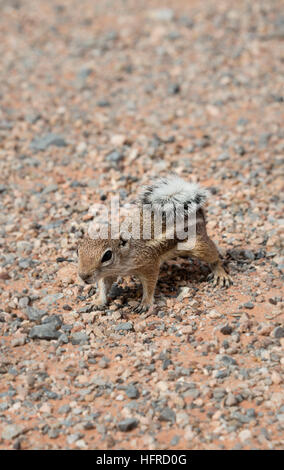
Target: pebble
x,y
125,326
278,332
132,392
167,414
11,431
43,142
46,331
114,157
34,314
127,424
79,337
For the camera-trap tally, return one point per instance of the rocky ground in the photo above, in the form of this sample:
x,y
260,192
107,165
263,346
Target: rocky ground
x,y
96,98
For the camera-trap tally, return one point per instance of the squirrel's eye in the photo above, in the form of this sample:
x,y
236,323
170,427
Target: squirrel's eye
x,y
107,256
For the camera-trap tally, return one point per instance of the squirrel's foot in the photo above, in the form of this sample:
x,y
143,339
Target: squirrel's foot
x,y
141,308
99,304
220,278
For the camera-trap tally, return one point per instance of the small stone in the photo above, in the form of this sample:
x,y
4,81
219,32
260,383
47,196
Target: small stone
x,y
114,156
276,378
11,431
64,409
51,188
23,302
245,435
4,276
231,400
104,363
127,424
167,414
125,326
132,391
79,337
226,330
56,320
227,360
278,332
249,305
19,341
51,298
34,314
42,143
63,339
118,140
173,89
223,157
46,331
184,292
53,433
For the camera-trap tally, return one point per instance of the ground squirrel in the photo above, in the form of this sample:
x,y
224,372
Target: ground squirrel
x,y
178,206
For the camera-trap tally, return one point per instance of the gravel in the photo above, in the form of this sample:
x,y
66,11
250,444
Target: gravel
x,y
95,105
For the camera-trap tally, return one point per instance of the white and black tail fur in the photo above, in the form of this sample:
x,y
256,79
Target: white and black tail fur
x,y
174,198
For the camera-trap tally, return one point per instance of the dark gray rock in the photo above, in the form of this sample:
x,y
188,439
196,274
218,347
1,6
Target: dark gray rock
x,y
64,409
226,360
63,339
167,414
278,332
45,331
42,143
173,89
127,424
79,338
132,392
56,320
34,314
226,330
249,305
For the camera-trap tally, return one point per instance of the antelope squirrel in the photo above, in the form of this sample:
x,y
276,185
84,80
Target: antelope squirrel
x,y
178,204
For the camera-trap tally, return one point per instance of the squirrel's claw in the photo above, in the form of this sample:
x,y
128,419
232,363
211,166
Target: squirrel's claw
x,y
220,280
141,308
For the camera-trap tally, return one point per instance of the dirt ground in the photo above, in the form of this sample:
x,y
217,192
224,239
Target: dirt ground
x,y
97,97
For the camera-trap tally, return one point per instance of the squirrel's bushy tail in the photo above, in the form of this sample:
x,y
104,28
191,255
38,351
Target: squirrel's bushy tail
x,y
173,197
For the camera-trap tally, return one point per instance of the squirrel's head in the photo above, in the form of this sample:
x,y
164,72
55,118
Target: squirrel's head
x,y
98,258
